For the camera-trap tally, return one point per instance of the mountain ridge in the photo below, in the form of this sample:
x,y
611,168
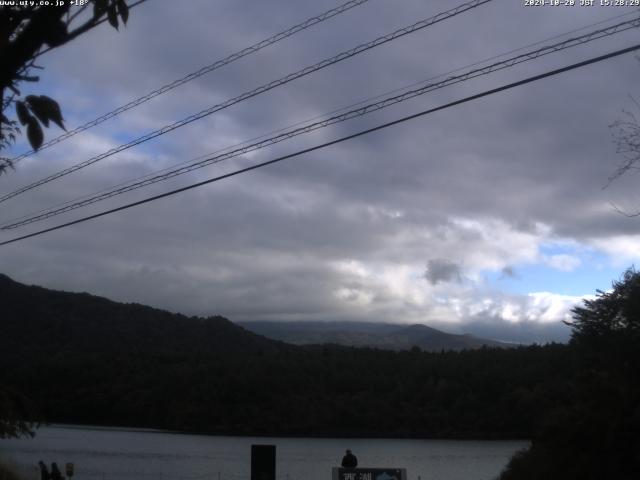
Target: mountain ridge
x,y
37,317
386,336
83,320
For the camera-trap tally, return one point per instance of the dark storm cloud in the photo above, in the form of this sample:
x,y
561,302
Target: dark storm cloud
x,y
442,270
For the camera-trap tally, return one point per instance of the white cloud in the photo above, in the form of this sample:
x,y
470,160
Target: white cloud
x,y
355,295
496,244
622,249
563,262
545,307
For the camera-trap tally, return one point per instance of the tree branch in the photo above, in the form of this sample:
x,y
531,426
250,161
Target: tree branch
x,y
48,49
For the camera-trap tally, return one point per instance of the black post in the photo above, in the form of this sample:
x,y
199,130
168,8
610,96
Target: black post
x,y
263,462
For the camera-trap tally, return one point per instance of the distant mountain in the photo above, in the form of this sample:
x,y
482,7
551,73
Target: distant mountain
x,y
368,334
38,319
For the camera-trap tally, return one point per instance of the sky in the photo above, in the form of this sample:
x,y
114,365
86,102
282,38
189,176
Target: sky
x,y
489,217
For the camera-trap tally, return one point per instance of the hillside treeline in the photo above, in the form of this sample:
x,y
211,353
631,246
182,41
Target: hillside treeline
x,y
303,391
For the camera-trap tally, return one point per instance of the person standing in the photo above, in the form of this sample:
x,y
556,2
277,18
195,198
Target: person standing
x,y
44,471
55,472
349,460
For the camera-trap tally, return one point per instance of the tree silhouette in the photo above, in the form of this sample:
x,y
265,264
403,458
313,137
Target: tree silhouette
x,y
626,136
614,313
597,434
26,33
17,414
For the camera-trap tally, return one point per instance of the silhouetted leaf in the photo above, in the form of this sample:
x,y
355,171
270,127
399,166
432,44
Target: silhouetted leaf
x,y
38,109
46,108
99,7
23,114
4,119
34,134
55,33
112,15
123,10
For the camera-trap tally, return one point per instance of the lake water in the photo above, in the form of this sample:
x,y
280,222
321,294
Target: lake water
x,y
115,454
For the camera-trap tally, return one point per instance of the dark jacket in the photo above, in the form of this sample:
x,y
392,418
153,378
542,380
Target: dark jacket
x,y
349,461
55,472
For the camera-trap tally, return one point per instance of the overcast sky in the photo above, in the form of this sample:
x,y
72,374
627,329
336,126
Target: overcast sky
x,y
488,217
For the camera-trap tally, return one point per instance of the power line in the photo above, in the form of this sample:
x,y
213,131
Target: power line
x,y
128,186
334,142
198,73
341,109
169,173
262,89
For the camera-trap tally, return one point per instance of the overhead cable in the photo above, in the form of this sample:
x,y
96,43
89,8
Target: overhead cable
x,y
334,142
262,89
198,73
372,107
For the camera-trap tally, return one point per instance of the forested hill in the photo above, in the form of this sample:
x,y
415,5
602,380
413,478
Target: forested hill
x,y
38,319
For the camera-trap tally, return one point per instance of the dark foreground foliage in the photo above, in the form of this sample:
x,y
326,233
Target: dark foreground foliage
x,y
8,472
597,434
16,410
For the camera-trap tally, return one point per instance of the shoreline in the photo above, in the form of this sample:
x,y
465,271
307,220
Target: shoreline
x,y
117,428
